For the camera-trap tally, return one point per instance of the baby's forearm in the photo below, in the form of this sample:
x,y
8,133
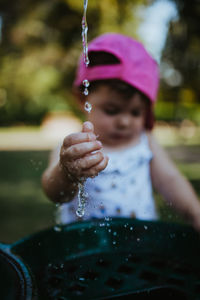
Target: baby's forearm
x,y
181,196
57,185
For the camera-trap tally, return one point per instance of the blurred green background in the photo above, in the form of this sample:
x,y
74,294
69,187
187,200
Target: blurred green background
x,y
41,44
39,49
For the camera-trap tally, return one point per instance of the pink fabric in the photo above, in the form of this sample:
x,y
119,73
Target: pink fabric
x,y
136,66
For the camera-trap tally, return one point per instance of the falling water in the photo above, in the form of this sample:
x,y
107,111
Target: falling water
x,y
82,196
88,107
84,34
86,83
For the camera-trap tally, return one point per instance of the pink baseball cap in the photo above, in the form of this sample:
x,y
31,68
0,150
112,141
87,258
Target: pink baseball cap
x,y
136,66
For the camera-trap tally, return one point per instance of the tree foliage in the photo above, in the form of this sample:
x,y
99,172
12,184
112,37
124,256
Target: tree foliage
x,y
40,47
182,54
41,44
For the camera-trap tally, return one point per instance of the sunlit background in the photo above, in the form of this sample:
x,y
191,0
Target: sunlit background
x,y
40,43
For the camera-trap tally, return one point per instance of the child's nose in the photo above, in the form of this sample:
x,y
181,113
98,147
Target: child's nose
x,y
123,121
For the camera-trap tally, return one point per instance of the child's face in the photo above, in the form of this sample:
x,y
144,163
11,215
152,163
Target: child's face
x,y
117,121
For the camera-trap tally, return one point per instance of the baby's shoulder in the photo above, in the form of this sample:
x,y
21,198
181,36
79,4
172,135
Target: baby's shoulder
x,y
142,146
148,134
150,139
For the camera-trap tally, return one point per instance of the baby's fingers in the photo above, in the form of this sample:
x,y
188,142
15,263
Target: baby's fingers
x,y
77,138
80,150
89,161
87,127
95,170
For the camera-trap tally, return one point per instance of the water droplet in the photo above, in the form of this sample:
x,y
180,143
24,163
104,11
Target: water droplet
x,y
109,230
81,278
86,83
138,239
80,213
85,92
101,224
114,242
57,228
145,227
88,107
131,228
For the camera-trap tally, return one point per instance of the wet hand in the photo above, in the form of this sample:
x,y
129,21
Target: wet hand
x,y
81,154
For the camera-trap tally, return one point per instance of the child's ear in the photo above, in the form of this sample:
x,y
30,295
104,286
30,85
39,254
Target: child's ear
x,y
80,98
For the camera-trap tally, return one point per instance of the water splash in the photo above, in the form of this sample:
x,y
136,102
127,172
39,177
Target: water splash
x,y
82,198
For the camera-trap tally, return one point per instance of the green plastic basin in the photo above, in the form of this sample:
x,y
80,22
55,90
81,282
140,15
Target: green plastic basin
x,y
113,259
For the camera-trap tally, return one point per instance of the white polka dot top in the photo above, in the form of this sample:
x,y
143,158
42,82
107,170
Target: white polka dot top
x,y
123,189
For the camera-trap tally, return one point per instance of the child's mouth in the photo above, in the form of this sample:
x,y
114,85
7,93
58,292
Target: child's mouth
x,y
120,136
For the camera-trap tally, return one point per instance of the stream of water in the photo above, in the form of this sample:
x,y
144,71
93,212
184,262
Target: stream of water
x,y
82,196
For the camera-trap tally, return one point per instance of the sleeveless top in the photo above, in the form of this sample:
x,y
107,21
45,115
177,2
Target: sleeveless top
x,y
122,189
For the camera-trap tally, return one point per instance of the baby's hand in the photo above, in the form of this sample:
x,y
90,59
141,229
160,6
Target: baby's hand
x,y
81,154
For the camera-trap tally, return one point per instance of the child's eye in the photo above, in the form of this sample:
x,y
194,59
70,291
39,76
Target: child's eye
x,y
136,112
111,111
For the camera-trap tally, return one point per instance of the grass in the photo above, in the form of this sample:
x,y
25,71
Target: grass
x,y
17,129
24,209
